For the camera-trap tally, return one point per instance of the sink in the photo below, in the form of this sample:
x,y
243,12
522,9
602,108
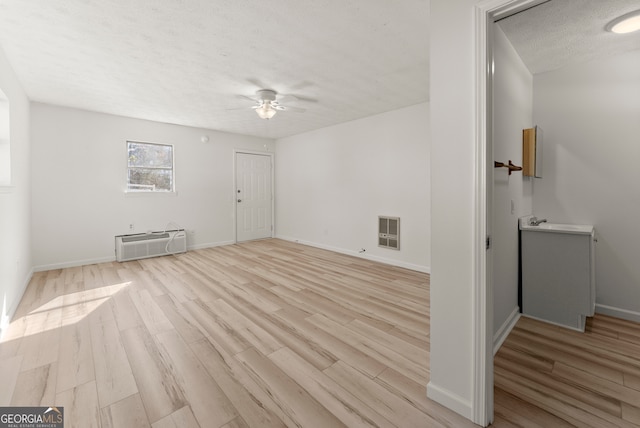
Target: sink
x,y
586,229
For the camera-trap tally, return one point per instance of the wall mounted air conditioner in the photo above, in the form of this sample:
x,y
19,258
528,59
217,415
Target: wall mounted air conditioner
x,y
144,245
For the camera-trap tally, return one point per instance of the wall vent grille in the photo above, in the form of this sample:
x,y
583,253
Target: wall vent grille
x,y
144,245
389,232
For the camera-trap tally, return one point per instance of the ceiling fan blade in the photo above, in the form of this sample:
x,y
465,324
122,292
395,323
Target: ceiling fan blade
x,y
245,97
287,99
275,100
293,109
257,82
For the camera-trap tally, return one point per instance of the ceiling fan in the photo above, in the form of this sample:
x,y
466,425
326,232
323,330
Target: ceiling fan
x,y
268,103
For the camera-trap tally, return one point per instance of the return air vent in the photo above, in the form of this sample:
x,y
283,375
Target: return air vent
x,y
389,232
144,245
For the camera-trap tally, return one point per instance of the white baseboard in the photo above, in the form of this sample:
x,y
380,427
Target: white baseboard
x,y
505,329
74,263
450,400
618,313
392,262
86,262
210,245
553,323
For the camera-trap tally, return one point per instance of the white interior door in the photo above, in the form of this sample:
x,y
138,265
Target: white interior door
x,y
254,200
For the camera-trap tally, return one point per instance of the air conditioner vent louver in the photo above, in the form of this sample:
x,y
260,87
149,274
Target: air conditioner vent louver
x,y
144,245
389,232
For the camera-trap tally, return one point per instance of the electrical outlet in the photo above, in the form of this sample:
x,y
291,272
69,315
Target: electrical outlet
x,y
131,226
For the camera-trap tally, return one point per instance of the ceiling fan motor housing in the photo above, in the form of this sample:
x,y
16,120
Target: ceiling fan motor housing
x,y
266,95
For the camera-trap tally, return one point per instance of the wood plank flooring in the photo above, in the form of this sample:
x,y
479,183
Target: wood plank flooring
x,y
262,334
549,376
273,334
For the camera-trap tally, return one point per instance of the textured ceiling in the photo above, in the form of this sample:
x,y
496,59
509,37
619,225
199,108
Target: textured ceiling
x,y
563,32
185,61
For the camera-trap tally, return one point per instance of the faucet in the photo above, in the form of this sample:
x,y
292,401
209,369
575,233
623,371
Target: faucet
x,y
533,221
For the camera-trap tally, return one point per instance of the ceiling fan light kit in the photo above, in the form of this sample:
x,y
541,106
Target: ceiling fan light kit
x,y
267,104
266,111
625,24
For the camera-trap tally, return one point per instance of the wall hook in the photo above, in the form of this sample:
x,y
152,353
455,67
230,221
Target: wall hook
x,y
510,166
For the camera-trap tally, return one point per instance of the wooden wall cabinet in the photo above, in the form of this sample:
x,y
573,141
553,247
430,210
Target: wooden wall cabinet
x,y
532,152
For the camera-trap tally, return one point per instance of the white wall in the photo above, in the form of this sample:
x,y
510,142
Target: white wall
x,y
513,112
15,201
79,173
453,160
332,183
590,114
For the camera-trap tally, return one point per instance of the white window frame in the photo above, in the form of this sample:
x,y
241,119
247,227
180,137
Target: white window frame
x,y
130,191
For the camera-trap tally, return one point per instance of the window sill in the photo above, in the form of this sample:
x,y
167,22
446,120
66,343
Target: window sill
x,y
142,194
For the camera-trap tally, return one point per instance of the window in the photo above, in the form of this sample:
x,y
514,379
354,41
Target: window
x,y
149,167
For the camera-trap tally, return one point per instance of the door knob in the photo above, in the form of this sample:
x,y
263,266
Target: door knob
x,y
239,200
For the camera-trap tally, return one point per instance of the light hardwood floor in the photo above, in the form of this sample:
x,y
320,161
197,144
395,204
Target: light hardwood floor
x,y
549,376
262,334
272,333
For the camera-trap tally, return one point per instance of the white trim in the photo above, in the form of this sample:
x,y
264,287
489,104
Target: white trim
x,y
87,262
482,304
142,193
209,245
152,192
553,323
507,8
411,266
618,312
235,186
74,263
482,366
398,263
504,330
449,400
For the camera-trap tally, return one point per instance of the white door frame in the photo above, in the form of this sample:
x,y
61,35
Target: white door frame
x,y
485,14
235,187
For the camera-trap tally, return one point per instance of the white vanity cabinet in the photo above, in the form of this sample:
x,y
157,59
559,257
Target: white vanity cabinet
x,y
558,273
